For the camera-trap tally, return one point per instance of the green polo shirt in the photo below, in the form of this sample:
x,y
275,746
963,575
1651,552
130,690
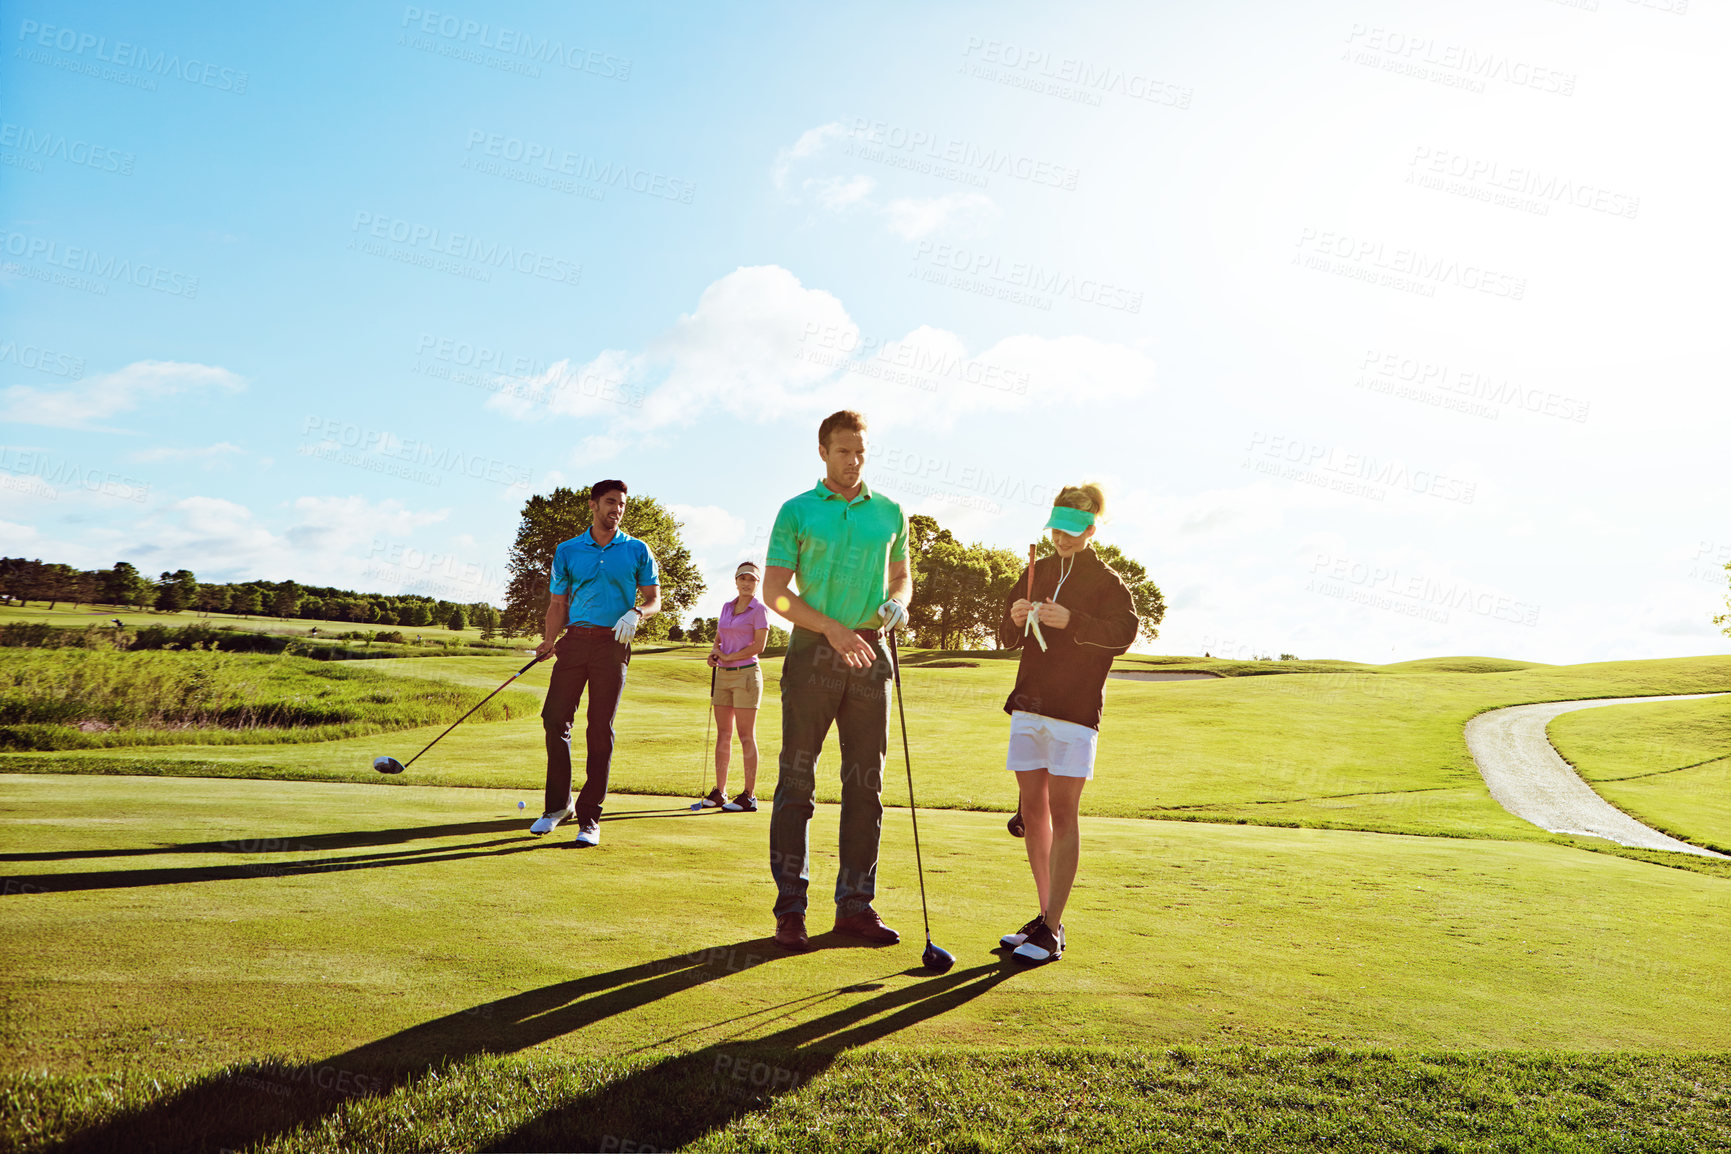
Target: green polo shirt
x,y
840,550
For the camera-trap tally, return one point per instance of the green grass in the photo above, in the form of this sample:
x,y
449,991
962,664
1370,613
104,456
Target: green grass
x,y
1348,749
1668,763
59,699
1239,987
81,615
783,1098
184,962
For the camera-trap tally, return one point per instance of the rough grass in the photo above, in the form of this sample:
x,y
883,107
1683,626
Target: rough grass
x,y
1668,763
1344,749
782,1098
59,699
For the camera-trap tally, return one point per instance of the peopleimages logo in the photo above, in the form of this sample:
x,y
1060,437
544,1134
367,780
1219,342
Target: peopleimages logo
x,y
46,145
433,243
104,267
509,42
123,54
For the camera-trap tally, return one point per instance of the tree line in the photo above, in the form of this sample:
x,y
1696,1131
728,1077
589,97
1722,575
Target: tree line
x,y
959,588
23,580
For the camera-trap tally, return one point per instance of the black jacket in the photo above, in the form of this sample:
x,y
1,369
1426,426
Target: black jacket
x,y
1067,680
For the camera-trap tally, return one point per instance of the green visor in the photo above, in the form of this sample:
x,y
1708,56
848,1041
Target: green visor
x,y
1075,522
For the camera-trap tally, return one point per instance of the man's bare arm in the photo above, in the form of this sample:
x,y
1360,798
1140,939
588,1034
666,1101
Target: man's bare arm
x,y
901,583
558,612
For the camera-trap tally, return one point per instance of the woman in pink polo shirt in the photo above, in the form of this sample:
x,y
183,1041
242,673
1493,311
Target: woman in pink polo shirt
x,y
740,634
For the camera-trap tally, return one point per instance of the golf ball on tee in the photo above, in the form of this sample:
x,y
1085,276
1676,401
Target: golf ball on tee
x,y
519,805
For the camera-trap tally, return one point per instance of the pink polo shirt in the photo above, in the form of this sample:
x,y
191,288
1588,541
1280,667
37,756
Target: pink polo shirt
x,y
734,633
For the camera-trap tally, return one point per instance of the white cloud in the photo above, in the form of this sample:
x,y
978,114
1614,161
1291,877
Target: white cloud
x,y
810,143
707,526
606,383
748,348
839,193
210,455
110,394
912,217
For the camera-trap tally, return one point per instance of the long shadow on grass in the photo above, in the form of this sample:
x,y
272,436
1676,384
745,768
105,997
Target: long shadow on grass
x,y
666,1104
300,843
663,1103
258,1101
24,884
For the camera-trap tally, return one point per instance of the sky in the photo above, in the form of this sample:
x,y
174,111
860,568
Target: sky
x,y
1392,330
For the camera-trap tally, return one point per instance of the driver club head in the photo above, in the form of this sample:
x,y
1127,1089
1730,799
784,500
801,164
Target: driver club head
x,y
387,765
937,958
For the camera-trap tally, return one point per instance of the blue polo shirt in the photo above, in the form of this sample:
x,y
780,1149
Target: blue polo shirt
x,y
601,581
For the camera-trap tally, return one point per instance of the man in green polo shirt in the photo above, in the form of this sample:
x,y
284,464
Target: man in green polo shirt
x,y
847,547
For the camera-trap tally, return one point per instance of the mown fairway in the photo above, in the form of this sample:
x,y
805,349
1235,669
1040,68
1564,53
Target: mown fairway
x,y
1668,763
1228,985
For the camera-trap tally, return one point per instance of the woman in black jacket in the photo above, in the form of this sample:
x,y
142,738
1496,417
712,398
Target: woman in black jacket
x,y
1080,618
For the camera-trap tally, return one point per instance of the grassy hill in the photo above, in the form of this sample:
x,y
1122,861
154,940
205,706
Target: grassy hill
x,y
1668,763
240,946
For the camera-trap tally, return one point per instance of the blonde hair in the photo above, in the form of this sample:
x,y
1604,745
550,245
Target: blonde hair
x,y
1089,498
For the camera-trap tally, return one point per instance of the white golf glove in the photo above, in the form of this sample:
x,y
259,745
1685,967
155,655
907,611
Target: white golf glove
x,y
625,628
1033,625
892,613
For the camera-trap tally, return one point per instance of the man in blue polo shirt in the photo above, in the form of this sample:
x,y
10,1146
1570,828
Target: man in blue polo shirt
x,y
598,577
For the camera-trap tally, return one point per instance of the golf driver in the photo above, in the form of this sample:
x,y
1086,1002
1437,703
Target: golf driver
x,y
936,957
392,765
703,758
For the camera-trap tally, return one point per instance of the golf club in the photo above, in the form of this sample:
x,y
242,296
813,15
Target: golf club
x,y
703,755
936,957
392,765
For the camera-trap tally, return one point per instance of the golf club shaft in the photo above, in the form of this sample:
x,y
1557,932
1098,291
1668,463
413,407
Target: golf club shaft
x,y
907,760
478,705
703,760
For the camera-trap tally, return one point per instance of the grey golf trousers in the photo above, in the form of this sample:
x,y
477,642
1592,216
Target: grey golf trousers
x,y
818,688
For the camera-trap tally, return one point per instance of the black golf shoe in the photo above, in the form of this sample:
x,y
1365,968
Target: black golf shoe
x,y
714,799
1043,945
1011,941
744,803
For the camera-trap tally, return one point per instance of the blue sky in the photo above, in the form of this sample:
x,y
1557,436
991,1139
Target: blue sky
x,y
1393,330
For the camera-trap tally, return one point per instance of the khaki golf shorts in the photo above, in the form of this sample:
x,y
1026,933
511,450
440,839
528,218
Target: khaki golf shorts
x,y
739,688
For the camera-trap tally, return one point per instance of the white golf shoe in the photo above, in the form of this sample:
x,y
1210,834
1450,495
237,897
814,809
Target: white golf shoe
x,y
1044,945
1011,941
588,832
549,821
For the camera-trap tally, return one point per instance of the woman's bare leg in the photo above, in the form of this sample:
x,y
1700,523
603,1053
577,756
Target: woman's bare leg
x,y
1065,801
723,744
746,720
1037,819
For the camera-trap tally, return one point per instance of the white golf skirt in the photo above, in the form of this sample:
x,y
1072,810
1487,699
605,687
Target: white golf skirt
x,y
1059,747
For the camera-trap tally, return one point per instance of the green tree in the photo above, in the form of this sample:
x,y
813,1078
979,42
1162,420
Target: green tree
x,y
455,622
286,600
416,614
244,600
211,598
959,589
562,515
125,585
168,595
